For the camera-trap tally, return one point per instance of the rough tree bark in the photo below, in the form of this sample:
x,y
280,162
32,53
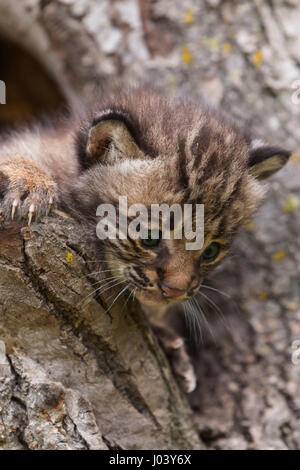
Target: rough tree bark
x,y
76,374
245,57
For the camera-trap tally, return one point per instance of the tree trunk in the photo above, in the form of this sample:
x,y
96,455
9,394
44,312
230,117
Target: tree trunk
x,y
76,374
245,57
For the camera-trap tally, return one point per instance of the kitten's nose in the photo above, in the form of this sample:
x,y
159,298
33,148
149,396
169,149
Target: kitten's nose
x,y
171,291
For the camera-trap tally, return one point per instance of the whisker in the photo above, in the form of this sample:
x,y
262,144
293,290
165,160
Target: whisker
x,y
98,261
216,290
96,272
120,293
199,309
188,320
235,304
195,323
223,319
211,302
219,311
199,323
134,295
111,285
130,294
100,272
101,290
106,279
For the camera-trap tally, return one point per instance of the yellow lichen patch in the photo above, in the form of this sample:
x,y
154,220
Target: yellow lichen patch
x,y
212,43
226,47
265,349
250,227
170,80
257,57
291,204
186,55
263,295
189,17
292,306
279,255
70,257
295,158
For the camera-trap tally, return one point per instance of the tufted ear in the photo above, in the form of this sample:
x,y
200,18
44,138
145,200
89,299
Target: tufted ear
x,y
109,137
265,160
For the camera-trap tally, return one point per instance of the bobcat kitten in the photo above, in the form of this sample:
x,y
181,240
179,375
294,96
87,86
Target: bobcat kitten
x,y
140,144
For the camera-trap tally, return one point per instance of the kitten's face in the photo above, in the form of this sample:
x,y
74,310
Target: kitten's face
x,y
163,270
171,153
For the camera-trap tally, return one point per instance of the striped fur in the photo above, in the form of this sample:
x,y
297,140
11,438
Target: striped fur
x,y
152,149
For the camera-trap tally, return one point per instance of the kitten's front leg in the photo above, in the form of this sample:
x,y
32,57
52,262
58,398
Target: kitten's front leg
x,y
25,189
174,347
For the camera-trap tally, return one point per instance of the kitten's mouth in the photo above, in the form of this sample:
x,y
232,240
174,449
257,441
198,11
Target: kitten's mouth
x,y
159,293
171,292
162,295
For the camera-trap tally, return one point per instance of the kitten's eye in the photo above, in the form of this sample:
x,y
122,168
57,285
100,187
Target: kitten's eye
x,y
151,242
211,251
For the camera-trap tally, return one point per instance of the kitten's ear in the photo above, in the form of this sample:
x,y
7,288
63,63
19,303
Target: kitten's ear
x,y
110,136
265,160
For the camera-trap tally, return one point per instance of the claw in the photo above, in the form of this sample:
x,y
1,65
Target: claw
x,y
30,214
14,208
49,205
190,381
177,343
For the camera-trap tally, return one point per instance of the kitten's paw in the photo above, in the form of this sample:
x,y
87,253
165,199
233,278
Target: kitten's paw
x,y
174,348
26,191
